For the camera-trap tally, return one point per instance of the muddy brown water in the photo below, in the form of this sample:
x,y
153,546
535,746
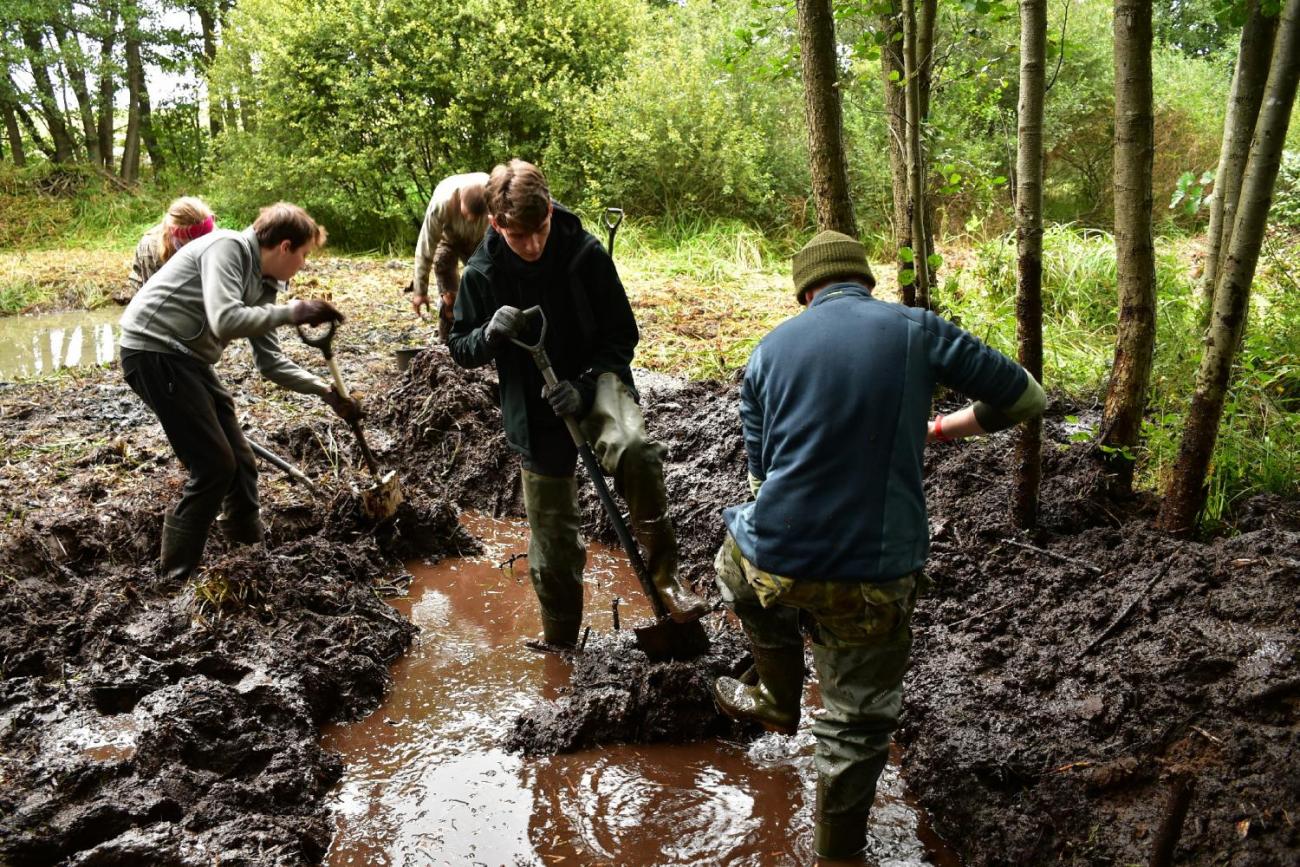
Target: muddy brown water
x,y
426,780
38,344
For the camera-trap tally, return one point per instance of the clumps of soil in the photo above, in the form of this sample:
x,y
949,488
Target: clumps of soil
x,y
1065,681
148,722
618,695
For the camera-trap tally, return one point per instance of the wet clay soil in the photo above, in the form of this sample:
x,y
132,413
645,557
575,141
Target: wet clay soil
x,y
142,723
427,780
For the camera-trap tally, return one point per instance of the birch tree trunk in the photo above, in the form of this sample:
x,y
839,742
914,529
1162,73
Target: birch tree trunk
x,y
1121,422
1029,248
822,109
13,133
1186,492
208,23
1248,81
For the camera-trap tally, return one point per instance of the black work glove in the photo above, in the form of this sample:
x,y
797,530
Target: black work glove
x,y
317,311
564,397
346,408
506,323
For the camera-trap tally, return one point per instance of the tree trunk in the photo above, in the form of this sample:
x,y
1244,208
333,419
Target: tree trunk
x,y
915,157
208,23
134,85
1185,495
1135,262
1248,81
64,148
893,70
13,134
156,157
107,89
70,47
830,168
1029,248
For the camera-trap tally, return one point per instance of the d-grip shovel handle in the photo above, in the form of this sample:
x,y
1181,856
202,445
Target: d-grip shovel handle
x,y
538,352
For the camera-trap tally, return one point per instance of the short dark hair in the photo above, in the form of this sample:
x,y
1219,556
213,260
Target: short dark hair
x,y
517,196
287,222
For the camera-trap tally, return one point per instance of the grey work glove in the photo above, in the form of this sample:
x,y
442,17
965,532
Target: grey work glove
x,y
506,323
314,312
564,398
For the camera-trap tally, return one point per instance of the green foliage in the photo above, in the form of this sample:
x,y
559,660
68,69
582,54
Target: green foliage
x,y
682,131
1286,193
1257,449
363,106
44,206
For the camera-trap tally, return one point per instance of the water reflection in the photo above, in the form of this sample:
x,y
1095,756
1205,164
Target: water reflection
x,y
425,782
40,344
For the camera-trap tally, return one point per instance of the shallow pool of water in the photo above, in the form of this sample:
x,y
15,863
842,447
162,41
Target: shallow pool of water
x,y
426,782
41,343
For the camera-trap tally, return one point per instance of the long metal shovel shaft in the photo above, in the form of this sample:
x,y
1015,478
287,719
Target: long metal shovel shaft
x,y
275,460
597,477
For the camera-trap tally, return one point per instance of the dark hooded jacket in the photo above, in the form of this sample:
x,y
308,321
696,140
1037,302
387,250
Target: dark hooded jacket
x,y
590,328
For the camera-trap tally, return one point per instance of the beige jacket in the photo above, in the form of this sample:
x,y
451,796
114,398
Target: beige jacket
x,y
442,222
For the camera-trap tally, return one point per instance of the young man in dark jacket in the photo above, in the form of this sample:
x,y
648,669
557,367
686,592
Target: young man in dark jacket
x,y
834,408
536,253
215,289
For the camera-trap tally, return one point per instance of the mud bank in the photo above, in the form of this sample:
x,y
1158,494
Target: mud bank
x,y
146,723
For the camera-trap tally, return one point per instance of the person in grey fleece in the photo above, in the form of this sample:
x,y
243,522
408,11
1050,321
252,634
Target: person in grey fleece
x,y
213,290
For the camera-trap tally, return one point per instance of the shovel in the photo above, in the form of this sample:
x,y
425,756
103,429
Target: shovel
x,y
379,502
294,474
665,638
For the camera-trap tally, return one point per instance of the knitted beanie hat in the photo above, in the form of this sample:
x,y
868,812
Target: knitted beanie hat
x,y
829,254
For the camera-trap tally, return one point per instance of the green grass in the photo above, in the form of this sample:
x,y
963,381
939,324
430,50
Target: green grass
x,y
1258,450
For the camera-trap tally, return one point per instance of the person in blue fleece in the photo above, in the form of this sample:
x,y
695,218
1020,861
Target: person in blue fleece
x,y
835,408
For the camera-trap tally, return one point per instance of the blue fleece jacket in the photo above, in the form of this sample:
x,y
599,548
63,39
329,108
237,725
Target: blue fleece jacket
x,y
834,406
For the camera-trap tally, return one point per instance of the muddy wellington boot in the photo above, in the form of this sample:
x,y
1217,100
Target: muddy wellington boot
x,y
556,558
660,544
774,701
182,548
837,836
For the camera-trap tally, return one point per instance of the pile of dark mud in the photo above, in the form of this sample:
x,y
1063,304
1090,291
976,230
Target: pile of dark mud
x,y
142,722
1063,682
1066,682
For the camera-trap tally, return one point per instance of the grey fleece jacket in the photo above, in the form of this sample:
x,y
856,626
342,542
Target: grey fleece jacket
x,y
208,294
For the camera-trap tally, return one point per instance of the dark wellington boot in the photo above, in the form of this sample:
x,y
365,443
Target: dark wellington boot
x,y
182,549
774,701
660,544
837,836
245,530
556,558
557,636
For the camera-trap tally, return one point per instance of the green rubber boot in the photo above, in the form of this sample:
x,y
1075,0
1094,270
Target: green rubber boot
x,y
837,836
182,548
660,543
556,557
775,700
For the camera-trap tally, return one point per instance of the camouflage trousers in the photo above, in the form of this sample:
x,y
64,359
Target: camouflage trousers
x,y
862,638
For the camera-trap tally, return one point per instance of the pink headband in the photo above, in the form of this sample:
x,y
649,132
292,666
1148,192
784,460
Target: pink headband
x,y
189,233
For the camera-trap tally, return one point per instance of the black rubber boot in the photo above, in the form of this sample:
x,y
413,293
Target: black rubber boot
x,y
775,701
182,548
245,530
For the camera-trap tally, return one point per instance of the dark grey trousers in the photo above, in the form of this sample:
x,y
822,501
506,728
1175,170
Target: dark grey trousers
x,y
198,416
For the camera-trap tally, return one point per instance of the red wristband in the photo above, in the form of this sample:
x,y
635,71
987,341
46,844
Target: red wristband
x,y
938,429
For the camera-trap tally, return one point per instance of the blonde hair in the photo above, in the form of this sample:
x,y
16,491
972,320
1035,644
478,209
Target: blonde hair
x,y
181,214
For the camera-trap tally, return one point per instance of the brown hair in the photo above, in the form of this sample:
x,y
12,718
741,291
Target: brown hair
x,y
287,222
181,214
473,201
517,196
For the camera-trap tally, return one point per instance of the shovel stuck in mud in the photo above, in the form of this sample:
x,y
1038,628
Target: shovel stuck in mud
x,y
665,638
379,502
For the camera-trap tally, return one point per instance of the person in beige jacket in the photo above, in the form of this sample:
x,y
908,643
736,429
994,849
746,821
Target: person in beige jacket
x,y
453,227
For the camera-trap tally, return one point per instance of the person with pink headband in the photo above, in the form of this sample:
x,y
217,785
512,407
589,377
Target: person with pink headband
x,y
187,218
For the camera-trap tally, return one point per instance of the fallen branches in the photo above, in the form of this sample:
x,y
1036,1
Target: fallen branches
x,y
1124,615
